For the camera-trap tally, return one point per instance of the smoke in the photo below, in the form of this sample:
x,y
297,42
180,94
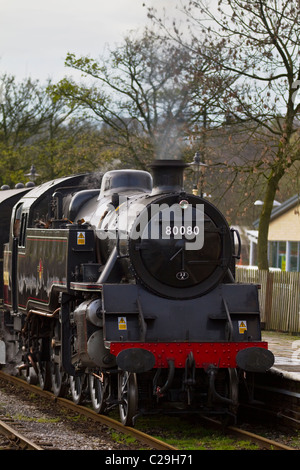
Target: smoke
x,y
92,180
169,141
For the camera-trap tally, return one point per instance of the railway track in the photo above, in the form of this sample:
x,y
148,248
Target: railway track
x,y
143,438
260,440
268,444
15,439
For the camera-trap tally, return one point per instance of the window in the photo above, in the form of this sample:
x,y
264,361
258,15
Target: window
x,y
23,229
17,220
285,255
273,248
281,256
294,256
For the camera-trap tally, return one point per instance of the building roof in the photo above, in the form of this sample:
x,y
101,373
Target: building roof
x,y
288,204
279,210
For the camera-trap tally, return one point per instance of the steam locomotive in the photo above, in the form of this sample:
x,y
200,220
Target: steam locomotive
x,y
123,292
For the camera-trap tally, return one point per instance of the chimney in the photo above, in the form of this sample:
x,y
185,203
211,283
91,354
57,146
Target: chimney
x,y
167,175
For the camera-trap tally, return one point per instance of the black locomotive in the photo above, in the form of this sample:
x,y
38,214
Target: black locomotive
x,y
126,294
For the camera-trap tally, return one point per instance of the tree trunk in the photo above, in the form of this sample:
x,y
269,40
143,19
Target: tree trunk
x,y
263,229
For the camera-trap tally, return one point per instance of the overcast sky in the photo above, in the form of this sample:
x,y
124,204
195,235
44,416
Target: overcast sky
x,y
36,35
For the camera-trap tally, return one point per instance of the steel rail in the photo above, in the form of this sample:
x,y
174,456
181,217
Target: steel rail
x,y
260,440
139,435
105,420
18,438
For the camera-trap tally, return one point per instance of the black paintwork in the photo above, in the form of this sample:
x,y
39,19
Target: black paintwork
x,y
67,282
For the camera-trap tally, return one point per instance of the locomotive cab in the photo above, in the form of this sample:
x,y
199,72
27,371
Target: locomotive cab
x,y
8,198
38,220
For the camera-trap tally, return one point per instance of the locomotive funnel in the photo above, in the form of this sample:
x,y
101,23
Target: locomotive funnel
x,y
167,175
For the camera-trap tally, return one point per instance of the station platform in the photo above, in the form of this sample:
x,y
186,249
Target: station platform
x,y
286,349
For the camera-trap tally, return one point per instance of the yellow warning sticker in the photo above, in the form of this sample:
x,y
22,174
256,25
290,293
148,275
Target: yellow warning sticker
x,y
242,326
80,238
122,322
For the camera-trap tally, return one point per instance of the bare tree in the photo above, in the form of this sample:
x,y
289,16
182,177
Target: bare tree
x,y
147,92
260,42
139,92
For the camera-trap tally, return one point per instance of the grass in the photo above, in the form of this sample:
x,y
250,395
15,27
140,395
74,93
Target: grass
x,y
190,436
20,417
122,438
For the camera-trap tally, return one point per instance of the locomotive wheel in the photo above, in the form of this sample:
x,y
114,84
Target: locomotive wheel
x,y
31,373
31,376
44,374
59,380
98,385
44,364
77,388
232,387
128,397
